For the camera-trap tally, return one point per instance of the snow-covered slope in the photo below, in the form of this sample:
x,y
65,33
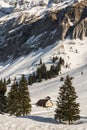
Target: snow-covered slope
x,y
7,5
74,52
33,3
4,4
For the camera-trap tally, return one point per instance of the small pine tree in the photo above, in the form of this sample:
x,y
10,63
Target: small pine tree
x,y
15,79
58,68
43,70
67,108
61,61
8,81
30,80
5,81
24,97
52,70
34,77
54,59
39,75
40,61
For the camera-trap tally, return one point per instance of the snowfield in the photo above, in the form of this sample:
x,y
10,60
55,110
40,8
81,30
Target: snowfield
x,y
74,53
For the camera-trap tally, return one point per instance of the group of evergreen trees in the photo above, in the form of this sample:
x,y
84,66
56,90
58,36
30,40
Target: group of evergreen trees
x,y
18,100
43,73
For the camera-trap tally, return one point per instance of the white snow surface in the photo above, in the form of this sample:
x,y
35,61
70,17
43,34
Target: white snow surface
x,y
34,7
4,4
74,53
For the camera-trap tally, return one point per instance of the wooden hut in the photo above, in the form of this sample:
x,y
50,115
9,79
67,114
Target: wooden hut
x,y
44,103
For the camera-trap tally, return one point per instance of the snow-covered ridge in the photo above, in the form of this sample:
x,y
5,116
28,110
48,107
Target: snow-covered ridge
x,y
32,3
9,5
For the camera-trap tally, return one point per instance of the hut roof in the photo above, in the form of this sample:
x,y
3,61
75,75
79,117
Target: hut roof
x,y
48,97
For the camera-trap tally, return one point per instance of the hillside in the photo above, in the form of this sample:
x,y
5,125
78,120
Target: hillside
x,y
72,51
45,116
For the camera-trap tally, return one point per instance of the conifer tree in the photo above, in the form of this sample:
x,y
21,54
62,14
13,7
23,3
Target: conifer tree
x,y
39,75
40,61
30,80
2,97
43,70
2,88
34,77
52,70
58,68
24,97
9,81
61,61
48,75
5,81
13,100
15,79
67,108
54,59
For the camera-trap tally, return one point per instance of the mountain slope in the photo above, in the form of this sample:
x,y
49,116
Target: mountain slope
x,y
22,31
72,51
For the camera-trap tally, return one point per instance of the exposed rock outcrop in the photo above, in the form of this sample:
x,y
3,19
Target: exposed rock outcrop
x,y
25,33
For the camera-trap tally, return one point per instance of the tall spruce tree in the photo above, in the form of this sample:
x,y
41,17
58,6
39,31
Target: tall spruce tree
x,y
24,97
67,109
13,100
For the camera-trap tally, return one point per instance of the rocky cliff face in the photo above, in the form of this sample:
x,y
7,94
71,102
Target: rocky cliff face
x,y
25,32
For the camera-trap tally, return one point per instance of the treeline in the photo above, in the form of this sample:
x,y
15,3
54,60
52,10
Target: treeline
x,y
17,101
43,73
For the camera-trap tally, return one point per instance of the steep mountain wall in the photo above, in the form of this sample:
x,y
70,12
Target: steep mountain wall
x,y
27,32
